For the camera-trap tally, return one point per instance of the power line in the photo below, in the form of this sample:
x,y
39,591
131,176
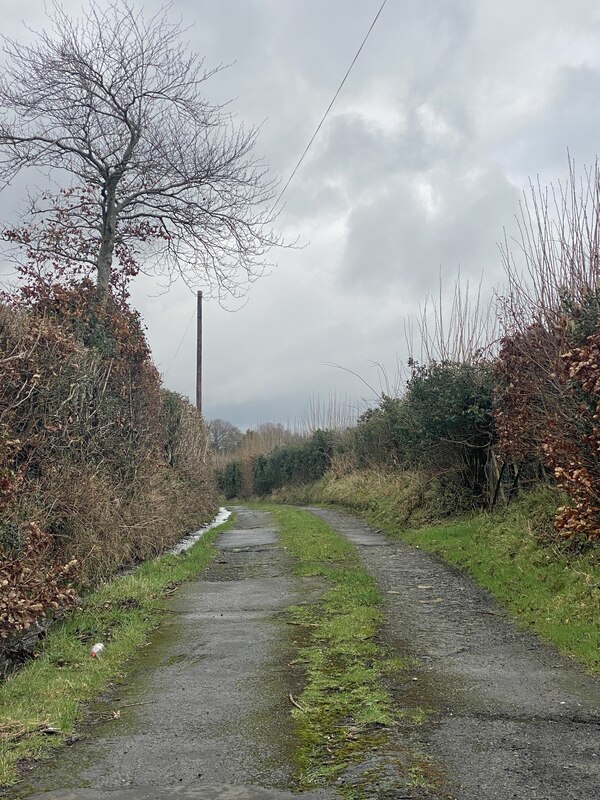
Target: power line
x,y
303,156
180,343
329,107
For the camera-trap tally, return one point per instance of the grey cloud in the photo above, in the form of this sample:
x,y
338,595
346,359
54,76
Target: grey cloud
x,y
396,242
570,121
451,105
358,156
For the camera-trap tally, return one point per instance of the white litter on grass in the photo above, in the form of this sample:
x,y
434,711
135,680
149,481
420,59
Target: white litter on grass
x,y
192,538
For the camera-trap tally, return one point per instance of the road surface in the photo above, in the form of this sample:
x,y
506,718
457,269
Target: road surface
x,y
207,715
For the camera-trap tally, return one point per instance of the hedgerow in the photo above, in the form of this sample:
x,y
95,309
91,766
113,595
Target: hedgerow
x,y
98,464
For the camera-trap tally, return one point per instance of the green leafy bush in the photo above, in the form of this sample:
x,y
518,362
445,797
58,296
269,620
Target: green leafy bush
x,y
442,424
230,480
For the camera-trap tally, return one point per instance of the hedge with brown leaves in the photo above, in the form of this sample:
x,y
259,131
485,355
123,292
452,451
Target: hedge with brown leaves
x,y
33,583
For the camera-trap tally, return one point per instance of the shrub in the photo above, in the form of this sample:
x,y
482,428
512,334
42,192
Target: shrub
x,y
297,462
442,425
548,409
230,480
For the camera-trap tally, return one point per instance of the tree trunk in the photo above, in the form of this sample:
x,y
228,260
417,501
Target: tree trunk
x,y
499,474
107,246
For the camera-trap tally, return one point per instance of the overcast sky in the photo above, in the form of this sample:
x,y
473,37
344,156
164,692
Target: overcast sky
x,y
451,107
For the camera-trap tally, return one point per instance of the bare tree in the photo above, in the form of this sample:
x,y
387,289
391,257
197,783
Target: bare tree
x,y
112,104
223,436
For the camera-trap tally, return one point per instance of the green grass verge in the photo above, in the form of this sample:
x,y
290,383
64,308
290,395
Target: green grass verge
x,y
50,692
344,706
409,499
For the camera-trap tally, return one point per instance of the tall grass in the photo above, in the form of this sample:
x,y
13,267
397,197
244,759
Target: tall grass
x,y
406,498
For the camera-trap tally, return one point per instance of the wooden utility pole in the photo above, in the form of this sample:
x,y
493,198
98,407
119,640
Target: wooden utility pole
x,y
199,354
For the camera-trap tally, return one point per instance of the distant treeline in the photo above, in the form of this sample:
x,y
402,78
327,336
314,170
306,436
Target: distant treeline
x,y
443,423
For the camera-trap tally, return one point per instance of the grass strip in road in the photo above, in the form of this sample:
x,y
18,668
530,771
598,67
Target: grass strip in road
x,y
344,709
41,703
